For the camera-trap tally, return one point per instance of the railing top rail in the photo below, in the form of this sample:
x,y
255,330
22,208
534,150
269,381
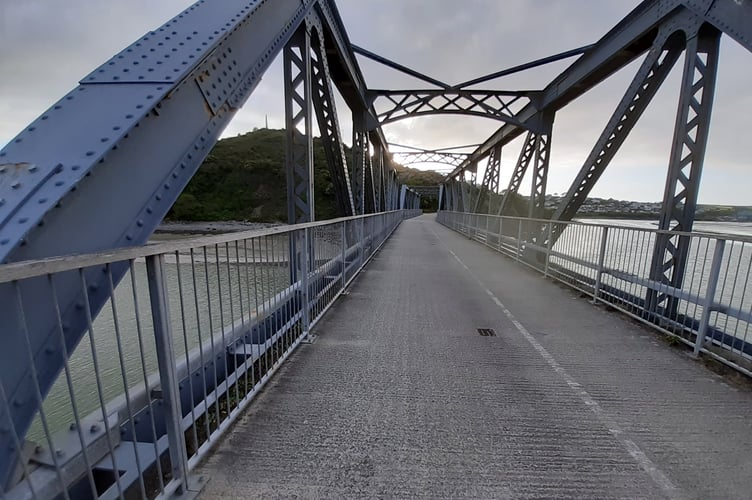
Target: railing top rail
x,y
34,268
695,234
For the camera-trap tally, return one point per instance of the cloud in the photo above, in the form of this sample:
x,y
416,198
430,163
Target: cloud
x,y
48,46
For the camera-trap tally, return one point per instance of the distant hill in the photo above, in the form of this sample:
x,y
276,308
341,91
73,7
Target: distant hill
x,y
243,179
415,177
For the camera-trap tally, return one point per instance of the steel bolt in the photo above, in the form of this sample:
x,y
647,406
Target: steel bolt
x,y
94,428
72,426
59,453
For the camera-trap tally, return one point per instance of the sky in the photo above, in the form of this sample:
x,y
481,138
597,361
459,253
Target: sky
x,y
49,45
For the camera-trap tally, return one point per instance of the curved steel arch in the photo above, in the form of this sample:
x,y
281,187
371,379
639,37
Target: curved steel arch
x,y
413,157
401,104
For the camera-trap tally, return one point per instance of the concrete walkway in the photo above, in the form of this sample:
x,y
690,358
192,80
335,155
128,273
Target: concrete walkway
x,y
402,397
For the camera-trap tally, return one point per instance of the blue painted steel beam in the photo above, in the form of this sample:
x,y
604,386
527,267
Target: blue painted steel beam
x,y
102,167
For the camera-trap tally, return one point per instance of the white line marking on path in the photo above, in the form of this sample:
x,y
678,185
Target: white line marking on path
x,y
613,428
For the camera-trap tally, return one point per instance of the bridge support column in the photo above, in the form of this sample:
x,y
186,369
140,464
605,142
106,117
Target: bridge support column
x,y
326,117
490,180
685,166
359,162
536,210
526,154
299,147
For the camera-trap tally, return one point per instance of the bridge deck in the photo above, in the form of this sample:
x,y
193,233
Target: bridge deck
x,y
401,396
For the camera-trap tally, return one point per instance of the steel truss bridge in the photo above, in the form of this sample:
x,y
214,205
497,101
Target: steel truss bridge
x,y
98,171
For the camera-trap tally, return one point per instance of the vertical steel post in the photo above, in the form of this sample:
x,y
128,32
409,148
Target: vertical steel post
x,y
168,378
685,167
540,169
299,146
707,303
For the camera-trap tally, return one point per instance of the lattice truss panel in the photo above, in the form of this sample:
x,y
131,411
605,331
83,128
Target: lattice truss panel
x,y
394,105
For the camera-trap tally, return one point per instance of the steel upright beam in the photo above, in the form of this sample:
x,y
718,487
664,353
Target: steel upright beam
x,y
359,152
299,146
661,58
326,117
540,170
378,175
490,180
685,166
526,155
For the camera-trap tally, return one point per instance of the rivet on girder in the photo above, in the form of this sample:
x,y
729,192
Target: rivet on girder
x,y
23,220
140,223
16,185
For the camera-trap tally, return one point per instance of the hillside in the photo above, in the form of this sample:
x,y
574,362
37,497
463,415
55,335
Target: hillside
x,y
415,177
243,179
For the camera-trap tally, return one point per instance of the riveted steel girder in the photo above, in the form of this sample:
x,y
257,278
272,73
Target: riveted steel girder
x,y
359,160
328,121
102,167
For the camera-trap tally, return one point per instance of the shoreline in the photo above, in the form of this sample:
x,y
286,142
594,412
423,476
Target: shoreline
x,y
210,227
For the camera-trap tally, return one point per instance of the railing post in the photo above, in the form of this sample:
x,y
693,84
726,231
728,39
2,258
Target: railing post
x,y
167,374
501,232
519,238
601,260
344,255
304,283
549,247
715,271
361,242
